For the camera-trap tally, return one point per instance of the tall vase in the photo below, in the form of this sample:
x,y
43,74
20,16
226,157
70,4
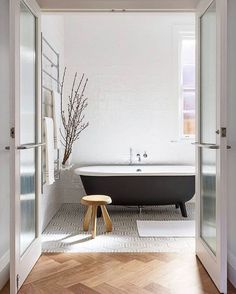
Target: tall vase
x,y
68,165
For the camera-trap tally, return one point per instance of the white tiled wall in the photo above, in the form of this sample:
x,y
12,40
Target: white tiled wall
x,y
71,187
131,62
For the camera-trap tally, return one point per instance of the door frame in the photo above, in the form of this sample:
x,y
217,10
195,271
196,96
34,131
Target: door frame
x,y
14,38
20,266
216,267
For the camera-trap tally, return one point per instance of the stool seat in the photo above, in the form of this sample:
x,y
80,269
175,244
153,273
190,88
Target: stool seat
x,y
93,202
96,200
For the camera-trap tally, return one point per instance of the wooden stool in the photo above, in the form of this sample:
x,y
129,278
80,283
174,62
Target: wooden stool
x,y
93,201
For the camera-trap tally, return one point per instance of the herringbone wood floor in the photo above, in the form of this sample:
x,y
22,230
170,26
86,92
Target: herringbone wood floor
x,y
118,273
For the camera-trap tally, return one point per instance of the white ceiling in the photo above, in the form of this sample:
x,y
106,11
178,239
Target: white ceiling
x,y
118,4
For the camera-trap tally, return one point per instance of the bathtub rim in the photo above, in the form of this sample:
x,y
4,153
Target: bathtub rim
x,y
80,172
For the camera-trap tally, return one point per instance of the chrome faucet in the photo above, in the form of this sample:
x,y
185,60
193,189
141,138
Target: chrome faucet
x,y
138,155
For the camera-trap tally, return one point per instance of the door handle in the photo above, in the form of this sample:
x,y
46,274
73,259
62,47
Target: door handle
x,y
30,146
206,145
209,146
27,146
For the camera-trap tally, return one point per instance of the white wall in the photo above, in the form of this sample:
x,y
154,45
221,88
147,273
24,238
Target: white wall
x,y
4,141
131,62
53,31
232,142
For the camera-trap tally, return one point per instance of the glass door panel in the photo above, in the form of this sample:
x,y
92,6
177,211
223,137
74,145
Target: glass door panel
x,y
208,101
208,198
27,126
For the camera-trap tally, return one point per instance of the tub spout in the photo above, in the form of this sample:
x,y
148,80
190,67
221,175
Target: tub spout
x,y
139,157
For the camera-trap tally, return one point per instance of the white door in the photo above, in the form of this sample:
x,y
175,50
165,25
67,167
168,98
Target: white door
x,y
26,139
211,146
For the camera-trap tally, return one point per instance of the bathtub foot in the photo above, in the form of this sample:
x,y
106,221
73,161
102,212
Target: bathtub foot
x,y
140,207
183,209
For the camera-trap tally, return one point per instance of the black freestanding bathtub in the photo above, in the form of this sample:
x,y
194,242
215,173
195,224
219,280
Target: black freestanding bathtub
x,y
141,185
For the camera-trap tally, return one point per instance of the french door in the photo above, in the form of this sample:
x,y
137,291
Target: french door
x,y
211,145
26,139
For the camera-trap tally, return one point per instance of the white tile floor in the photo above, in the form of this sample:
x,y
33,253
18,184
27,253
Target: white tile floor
x,y
65,234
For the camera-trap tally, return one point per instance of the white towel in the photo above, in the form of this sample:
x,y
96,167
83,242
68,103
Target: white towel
x,y
49,140
56,106
48,103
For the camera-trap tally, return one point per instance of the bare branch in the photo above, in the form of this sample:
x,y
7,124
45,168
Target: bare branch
x,y
73,119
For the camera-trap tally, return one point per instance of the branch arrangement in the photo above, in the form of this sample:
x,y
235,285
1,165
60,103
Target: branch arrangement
x,y
73,118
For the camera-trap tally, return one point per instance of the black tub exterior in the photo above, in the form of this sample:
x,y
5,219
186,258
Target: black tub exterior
x,y
143,190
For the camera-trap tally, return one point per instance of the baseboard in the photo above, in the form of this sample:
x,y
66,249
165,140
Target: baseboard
x,y
232,268
4,269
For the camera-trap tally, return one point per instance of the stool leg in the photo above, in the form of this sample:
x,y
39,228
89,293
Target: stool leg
x,y
107,219
87,218
94,221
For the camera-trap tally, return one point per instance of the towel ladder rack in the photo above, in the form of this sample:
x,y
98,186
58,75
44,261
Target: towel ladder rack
x,y
51,57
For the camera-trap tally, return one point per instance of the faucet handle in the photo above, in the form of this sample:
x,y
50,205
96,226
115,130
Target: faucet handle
x,y
145,154
139,157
